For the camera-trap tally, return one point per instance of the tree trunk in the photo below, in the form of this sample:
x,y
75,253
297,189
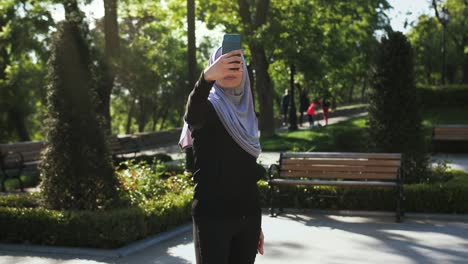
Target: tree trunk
x,y
15,115
292,108
192,60
350,92
465,61
260,62
157,117
363,91
142,115
111,30
264,90
18,119
191,69
129,118
164,117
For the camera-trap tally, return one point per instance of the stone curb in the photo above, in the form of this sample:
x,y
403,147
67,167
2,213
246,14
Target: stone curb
x,y
114,253
408,215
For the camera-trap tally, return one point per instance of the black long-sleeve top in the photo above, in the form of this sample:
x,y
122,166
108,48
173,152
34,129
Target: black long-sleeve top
x,y
225,175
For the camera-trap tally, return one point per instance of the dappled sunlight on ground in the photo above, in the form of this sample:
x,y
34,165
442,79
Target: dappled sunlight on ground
x,y
305,237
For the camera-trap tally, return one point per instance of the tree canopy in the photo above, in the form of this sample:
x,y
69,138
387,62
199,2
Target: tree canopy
x,y
141,52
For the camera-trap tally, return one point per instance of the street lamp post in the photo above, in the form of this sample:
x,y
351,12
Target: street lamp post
x,y
444,19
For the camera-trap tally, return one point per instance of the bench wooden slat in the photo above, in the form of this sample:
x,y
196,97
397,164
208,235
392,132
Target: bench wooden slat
x,y
450,137
22,146
349,155
390,163
451,131
451,134
29,156
338,168
338,175
330,183
451,126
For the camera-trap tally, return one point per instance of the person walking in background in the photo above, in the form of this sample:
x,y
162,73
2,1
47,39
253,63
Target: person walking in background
x,y
303,104
285,101
325,108
311,112
222,127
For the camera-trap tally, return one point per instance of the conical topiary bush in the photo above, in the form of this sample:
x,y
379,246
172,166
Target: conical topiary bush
x,y
76,169
395,120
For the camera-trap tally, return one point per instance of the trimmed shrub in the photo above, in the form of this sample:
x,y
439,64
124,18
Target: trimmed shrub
x,y
98,229
449,197
149,159
395,122
76,169
447,95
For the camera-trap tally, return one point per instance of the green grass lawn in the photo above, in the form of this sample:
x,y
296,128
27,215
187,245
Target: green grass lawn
x,y
352,135
445,116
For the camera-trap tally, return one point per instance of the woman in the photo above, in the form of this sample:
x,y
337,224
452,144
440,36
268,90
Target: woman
x,y
222,128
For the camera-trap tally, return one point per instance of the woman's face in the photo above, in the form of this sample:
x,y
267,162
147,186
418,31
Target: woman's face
x,y
231,81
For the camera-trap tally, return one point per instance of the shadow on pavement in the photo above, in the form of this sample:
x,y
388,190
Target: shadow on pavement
x,y
410,239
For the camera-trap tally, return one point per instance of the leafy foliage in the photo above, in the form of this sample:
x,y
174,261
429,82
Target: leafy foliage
x,y
142,183
24,27
395,122
161,199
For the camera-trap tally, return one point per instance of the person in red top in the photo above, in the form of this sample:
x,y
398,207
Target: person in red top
x,y
311,112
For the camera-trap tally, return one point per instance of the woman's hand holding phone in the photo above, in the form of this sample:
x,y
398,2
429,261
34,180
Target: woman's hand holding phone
x,y
227,64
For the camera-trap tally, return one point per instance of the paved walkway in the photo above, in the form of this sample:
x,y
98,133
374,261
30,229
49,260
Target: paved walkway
x,y
455,161
313,237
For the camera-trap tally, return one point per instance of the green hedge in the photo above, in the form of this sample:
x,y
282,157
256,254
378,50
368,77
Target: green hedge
x,y
22,221
449,197
448,95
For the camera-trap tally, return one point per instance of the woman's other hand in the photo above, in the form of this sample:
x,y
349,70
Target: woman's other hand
x,y
227,64
260,243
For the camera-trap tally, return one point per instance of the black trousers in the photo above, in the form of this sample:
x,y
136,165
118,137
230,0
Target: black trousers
x,y
226,240
311,119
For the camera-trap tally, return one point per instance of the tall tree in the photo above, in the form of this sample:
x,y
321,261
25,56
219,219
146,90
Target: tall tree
x,y
192,63
252,23
456,29
24,27
152,75
192,57
112,44
425,39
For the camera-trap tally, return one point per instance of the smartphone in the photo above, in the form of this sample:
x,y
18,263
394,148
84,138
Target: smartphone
x,y
231,42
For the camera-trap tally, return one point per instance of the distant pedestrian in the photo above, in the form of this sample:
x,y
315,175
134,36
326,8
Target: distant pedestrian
x,y
325,109
303,104
285,102
311,112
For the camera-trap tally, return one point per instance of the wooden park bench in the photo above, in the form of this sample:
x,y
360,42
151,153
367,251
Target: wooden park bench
x,y
449,134
123,145
30,150
337,169
14,158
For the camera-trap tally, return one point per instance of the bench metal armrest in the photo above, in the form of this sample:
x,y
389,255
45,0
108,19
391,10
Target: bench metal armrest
x,y
270,170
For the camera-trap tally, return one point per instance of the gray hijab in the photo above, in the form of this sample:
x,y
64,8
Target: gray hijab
x,y
234,107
